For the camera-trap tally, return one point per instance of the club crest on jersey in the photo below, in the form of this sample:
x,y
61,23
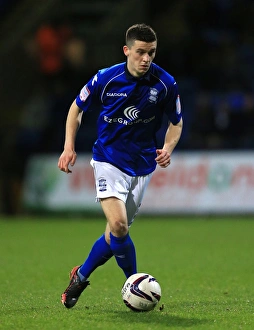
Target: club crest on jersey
x,y
153,95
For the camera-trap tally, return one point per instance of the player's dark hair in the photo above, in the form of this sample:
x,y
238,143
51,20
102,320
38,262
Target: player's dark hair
x,y
141,32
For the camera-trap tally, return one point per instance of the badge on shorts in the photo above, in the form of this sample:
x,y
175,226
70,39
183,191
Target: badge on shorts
x,y
102,184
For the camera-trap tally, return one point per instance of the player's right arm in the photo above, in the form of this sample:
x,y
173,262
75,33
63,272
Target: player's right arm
x,y
68,156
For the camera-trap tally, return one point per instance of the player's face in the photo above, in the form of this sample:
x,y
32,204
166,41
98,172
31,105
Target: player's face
x,y
140,56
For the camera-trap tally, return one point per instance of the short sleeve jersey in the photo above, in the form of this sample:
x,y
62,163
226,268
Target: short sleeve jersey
x,y
130,112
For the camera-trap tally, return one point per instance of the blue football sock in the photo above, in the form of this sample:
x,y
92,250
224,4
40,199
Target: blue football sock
x,y
125,254
99,254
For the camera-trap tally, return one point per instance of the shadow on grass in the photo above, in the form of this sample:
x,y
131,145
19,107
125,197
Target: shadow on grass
x,y
156,318
160,318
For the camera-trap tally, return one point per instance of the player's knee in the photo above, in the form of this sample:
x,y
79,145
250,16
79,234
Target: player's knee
x,y
119,228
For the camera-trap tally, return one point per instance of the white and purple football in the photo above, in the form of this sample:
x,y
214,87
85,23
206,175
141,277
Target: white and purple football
x,y
141,292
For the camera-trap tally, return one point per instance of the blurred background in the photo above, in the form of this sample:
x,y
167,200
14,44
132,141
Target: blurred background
x,y
49,49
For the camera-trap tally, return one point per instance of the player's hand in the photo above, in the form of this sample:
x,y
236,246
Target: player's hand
x,y
163,158
68,157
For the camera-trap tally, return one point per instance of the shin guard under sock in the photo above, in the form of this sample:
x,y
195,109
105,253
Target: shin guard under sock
x,y
99,254
125,254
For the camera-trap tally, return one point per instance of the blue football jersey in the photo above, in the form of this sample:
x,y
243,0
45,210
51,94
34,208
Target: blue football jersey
x,y
130,112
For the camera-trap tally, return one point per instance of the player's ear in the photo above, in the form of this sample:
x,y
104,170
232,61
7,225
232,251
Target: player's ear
x,y
126,50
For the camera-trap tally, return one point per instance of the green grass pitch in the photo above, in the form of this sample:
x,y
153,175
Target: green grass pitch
x,y
205,267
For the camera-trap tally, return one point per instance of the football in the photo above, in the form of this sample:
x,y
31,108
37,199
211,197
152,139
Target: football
x,y
141,292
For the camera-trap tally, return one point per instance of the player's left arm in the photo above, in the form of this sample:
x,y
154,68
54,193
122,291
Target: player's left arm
x,y
172,137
